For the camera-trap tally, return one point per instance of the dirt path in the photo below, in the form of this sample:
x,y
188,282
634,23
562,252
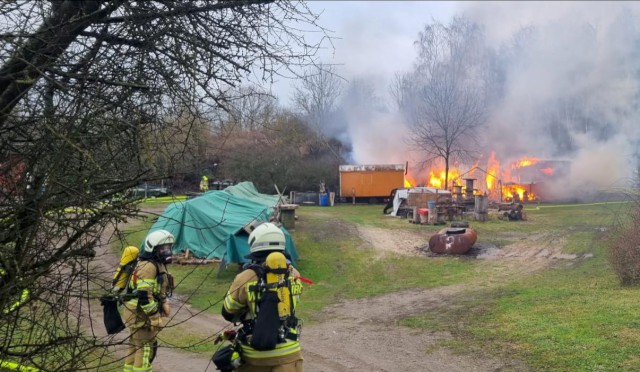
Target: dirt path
x,y
364,335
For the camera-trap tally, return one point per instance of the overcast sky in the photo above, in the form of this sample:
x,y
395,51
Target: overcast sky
x,y
372,38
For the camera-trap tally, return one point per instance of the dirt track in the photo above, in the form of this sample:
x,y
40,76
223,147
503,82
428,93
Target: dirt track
x,y
363,335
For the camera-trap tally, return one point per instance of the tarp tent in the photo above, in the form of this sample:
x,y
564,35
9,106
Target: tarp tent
x,y
246,190
212,225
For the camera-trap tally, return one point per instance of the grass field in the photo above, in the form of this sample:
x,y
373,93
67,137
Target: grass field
x,y
567,318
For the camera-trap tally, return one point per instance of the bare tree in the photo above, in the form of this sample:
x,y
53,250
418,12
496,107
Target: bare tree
x,y
89,91
443,97
252,109
317,99
186,146
317,96
360,99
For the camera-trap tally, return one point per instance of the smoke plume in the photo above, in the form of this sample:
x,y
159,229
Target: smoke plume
x,y
570,91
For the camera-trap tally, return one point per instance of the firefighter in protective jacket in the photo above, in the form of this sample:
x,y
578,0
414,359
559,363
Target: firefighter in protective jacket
x,y
150,285
264,297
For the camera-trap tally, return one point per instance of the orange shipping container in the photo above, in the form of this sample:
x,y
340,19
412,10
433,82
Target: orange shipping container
x,y
370,181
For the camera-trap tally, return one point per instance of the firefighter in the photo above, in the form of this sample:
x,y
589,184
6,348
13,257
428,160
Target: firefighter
x,y
244,303
150,286
204,184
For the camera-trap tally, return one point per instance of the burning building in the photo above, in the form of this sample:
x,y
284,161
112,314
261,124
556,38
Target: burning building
x,y
523,180
528,179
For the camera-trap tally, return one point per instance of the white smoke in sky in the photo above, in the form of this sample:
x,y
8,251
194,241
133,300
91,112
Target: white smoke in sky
x,y
584,54
380,141
572,92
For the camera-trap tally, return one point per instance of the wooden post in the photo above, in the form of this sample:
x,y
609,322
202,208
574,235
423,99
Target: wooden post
x,y
480,208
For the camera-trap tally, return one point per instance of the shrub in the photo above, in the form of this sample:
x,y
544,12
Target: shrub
x,y
624,250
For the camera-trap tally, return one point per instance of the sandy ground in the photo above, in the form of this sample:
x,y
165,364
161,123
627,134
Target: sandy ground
x,y
364,335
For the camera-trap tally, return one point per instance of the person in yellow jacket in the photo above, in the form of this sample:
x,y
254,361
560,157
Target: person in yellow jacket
x,y
150,285
243,303
204,184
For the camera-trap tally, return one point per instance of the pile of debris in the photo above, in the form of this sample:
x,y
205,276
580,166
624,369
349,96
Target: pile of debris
x,y
187,259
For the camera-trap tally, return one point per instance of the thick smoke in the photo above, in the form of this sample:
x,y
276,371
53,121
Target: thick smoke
x,y
570,92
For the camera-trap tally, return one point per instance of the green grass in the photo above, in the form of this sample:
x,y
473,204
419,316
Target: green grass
x,y
187,339
574,317
341,268
367,215
162,200
571,318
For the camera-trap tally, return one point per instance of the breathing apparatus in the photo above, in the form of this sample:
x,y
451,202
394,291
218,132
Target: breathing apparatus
x,y
124,271
163,253
276,278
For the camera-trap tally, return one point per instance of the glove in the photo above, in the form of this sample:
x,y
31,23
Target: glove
x,y
166,309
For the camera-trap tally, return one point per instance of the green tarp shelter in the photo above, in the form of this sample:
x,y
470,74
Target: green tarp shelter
x,y
212,225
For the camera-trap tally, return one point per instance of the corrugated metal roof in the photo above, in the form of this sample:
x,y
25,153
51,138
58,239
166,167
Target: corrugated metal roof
x,y
371,167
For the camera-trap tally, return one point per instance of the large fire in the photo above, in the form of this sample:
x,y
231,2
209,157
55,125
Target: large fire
x,y
437,177
500,182
516,193
525,162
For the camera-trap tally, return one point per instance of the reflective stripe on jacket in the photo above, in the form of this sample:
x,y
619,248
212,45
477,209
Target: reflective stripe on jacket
x,y
282,349
145,280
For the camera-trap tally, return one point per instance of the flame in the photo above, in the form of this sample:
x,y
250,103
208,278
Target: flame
x,y
493,170
437,177
436,181
548,171
510,191
495,181
454,176
525,162
408,183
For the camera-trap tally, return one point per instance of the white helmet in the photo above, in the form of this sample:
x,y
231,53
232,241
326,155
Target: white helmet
x,y
267,237
156,238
